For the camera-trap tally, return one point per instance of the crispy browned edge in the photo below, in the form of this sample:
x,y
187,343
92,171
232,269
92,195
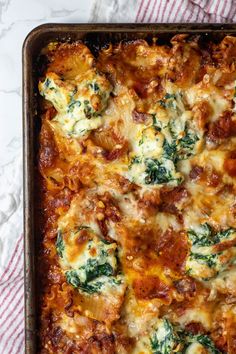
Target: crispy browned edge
x,y
34,42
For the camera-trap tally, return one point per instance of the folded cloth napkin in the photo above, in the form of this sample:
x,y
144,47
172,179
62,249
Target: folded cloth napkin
x,y
11,262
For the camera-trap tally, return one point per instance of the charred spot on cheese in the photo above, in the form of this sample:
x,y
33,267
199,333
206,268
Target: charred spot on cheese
x,y
89,263
79,102
211,252
165,143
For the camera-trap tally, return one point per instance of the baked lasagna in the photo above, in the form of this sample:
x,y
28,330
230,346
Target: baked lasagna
x,y
137,165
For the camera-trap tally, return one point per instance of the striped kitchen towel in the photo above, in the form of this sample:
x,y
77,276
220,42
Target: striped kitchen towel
x,y
12,303
162,11
11,272
208,11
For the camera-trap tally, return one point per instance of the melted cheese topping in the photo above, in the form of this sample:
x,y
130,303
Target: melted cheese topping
x,y
170,138
79,102
137,157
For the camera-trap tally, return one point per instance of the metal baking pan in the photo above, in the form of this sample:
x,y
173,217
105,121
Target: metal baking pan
x,y
95,36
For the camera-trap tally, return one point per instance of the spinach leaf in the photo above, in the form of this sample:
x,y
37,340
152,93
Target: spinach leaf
x,y
206,342
87,109
188,140
136,159
206,236
159,172
168,100
91,288
162,340
202,339
186,145
170,150
94,86
73,103
203,239
83,227
169,338
202,236
141,141
156,172
47,82
162,103
73,279
48,85
156,123
92,273
208,259
169,95
159,166
115,281
60,244
95,270
224,234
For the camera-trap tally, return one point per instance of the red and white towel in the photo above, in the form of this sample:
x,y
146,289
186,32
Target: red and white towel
x,y
11,262
12,303
162,11
207,11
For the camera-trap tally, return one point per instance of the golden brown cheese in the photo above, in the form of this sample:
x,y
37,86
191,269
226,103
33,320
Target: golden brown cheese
x,y
137,202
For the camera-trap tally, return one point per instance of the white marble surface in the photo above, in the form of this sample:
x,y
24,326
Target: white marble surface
x,y
17,19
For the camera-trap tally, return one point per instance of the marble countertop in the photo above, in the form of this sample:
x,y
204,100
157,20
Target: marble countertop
x,y
17,19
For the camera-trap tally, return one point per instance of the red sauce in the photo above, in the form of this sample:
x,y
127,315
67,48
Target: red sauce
x,y
196,172
139,117
195,327
169,200
116,153
230,164
202,112
150,287
173,250
186,286
223,128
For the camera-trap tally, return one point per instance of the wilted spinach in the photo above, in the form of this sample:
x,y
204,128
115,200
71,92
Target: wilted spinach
x,y
169,338
157,172
206,236
208,259
60,244
72,278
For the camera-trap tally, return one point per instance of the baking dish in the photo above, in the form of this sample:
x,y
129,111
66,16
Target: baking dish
x,y
95,36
